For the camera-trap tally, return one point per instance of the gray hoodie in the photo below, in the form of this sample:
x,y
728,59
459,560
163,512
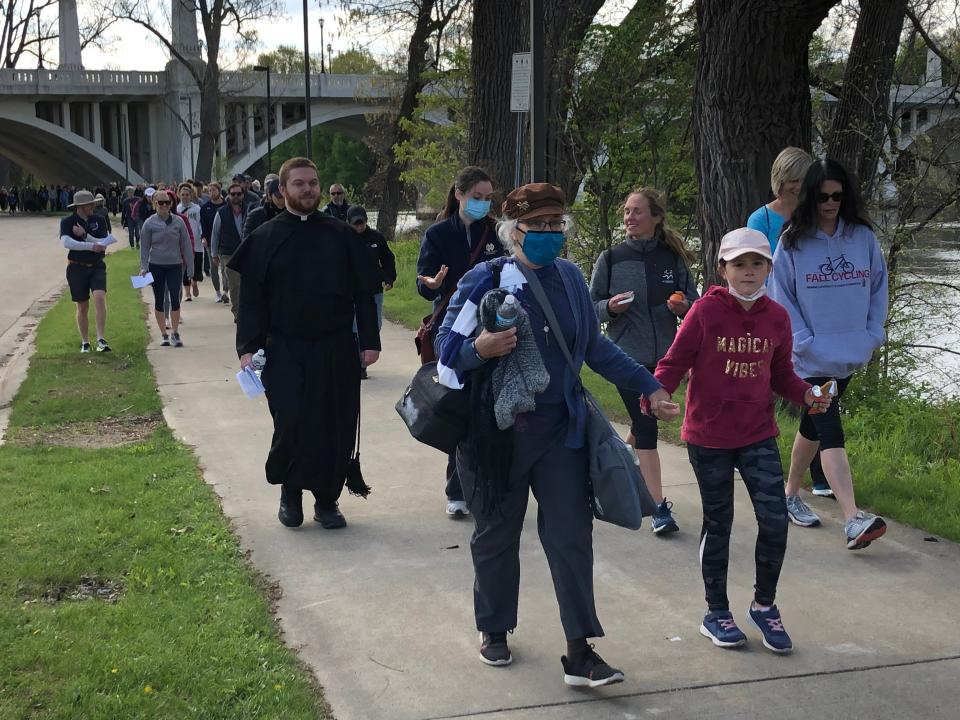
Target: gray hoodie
x,y
165,243
647,327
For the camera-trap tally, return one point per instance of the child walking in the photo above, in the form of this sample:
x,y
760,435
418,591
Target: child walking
x,y
736,343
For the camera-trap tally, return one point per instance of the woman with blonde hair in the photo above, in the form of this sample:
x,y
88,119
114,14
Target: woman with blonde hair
x,y
640,288
786,176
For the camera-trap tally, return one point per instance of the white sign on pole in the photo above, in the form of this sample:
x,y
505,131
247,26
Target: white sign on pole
x,y
520,83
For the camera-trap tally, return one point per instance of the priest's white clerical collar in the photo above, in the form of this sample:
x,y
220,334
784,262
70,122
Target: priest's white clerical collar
x,y
303,217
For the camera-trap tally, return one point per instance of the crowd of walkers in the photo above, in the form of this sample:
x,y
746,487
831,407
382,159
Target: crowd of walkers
x,y
800,308
55,198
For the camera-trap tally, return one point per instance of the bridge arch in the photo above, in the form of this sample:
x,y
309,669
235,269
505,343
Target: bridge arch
x,y
57,155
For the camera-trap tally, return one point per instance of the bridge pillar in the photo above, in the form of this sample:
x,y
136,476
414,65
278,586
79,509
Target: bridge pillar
x,y
222,145
69,36
65,115
251,127
125,133
97,138
278,113
238,125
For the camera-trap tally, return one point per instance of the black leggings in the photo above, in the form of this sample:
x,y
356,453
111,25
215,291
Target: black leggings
x,y
762,473
166,278
825,427
643,427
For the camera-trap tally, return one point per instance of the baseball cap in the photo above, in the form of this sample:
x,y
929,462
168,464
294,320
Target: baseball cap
x,y
355,213
742,241
273,187
82,197
149,192
239,177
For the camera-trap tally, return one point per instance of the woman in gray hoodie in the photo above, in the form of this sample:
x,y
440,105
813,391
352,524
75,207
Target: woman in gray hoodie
x,y
165,250
639,289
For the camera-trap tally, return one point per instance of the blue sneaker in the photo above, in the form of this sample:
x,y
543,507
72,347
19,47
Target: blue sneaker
x,y
770,625
722,629
662,521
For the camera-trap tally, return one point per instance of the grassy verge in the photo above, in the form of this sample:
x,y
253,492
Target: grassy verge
x,y
179,625
905,453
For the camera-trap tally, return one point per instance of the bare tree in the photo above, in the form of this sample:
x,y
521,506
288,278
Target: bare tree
x,y
26,29
216,17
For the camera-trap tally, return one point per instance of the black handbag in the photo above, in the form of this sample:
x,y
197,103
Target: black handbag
x,y
618,491
434,414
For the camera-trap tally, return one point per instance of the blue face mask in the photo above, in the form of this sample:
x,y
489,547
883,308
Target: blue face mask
x,y
477,209
542,248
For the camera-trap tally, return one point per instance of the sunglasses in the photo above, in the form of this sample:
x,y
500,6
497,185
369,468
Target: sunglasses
x,y
823,197
236,194
336,193
162,202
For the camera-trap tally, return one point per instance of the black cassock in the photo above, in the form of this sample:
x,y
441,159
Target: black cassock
x,y
304,280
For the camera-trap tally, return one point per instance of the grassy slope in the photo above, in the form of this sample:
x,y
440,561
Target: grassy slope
x,y
905,459
191,635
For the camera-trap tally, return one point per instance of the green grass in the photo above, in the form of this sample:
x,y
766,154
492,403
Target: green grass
x,y
191,635
905,453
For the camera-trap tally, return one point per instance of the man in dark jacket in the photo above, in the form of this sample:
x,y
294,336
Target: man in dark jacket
x,y
338,205
226,236
273,205
208,211
380,255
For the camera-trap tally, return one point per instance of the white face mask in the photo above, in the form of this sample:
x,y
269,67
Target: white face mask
x,y
761,291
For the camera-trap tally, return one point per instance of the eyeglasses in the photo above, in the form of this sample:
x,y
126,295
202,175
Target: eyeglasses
x,y
540,225
337,192
236,194
823,197
162,202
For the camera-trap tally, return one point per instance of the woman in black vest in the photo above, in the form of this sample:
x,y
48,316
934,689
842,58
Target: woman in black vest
x,y
639,289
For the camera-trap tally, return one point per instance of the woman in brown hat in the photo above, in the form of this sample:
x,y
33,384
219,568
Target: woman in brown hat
x,y
544,450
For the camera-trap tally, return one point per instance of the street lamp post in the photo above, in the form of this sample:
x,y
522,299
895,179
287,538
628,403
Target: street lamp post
x,y
306,78
266,69
190,132
330,56
323,66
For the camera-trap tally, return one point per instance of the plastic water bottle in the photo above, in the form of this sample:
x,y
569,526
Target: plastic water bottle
x,y
259,360
507,313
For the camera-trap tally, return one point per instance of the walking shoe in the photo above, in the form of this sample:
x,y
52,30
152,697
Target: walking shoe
x,y
589,670
291,507
196,291
218,297
188,298
721,628
800,513
363,374
457,509
328,515
102,345
494,650
863,529
175,340
85,347
164,340
822,489
662,521
770,625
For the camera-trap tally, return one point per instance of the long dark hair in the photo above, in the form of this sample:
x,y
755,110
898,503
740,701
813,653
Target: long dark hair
x,y
806,216
466,179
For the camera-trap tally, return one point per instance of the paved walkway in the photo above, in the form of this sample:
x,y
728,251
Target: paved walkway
x,y
383,610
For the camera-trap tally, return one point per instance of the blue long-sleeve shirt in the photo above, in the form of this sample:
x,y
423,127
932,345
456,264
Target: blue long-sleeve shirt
x,y
568,294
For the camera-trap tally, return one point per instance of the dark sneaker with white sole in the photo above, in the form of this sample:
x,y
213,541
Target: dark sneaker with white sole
x,y
102,345
494,650
863,529
85,347
588,669
662,522
770,625
164,340
722,629
175,340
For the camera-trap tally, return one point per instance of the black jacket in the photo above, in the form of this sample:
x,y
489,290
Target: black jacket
x,y
380,254
208,211
258,216
337,211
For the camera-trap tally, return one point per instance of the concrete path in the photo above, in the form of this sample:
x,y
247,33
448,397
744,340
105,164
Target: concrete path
x,y
383,610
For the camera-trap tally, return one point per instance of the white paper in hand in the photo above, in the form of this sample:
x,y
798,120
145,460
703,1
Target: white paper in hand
x,y
250,382
141,281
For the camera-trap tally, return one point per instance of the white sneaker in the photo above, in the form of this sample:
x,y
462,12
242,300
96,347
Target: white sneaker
x,y
457,509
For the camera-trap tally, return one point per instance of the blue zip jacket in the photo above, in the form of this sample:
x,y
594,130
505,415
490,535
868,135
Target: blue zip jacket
x,y
448,243
589,344
835,289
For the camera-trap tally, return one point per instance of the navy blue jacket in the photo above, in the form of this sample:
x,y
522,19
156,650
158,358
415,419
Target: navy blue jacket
x,y
445,243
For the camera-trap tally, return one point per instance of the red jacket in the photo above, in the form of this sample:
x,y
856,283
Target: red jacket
x,y
737,360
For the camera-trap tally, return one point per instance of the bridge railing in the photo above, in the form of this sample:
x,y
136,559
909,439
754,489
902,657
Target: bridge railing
x,y
322,85
14,81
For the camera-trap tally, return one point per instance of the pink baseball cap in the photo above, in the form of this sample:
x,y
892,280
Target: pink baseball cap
x,y
742,241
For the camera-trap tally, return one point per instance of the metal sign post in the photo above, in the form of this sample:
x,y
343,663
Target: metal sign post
x,y
519,104
538,105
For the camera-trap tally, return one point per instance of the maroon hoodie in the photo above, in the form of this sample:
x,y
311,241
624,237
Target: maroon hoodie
x,y
737,360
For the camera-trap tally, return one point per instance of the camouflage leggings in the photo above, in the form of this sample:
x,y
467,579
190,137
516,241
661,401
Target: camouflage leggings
x,y
762,473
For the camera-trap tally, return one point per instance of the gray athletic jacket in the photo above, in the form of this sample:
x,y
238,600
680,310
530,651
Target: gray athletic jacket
x,y
653,271
165,243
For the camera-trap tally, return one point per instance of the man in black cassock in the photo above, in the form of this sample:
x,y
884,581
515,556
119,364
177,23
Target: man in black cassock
x,y
304,277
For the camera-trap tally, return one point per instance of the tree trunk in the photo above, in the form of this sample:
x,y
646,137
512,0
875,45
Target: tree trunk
x,y
857,134
751,99
209,121
416,64
499,30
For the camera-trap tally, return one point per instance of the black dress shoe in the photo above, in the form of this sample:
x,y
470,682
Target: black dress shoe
x,y
291,507
328,515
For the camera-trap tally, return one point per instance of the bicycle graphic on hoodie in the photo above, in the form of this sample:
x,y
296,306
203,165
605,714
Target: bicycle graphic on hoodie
x,y
838,265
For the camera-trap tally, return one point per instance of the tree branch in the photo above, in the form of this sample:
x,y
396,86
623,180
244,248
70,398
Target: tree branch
x,y
929,41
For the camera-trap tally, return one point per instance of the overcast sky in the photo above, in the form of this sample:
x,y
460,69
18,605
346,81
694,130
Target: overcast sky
x,y
134,48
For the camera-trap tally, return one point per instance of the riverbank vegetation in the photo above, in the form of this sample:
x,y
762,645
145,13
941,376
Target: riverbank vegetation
x,y
123,592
